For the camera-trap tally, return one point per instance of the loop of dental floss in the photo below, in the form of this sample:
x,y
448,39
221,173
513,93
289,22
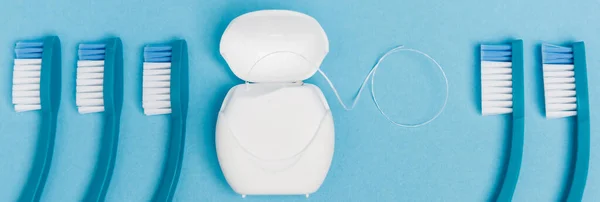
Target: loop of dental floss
x,y
371,77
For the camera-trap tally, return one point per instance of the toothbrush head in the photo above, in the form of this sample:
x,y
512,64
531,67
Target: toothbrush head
x,y
26,76
90,78
496,79
559,81
156,93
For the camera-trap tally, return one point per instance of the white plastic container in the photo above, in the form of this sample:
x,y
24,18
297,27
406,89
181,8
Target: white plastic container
x,y
275,135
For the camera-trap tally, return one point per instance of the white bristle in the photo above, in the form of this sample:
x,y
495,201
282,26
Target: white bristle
x,y
89,82
496,110
157,104
156,84
26,84
154,72
26,107
90,75
496,88
559,80
156,91
160,97
26,74
496,83
87,110
502,70
559,90
488,64
26,80
491,97
26,87
90,70
27,67
561,107
493,77
560,86
506,103
88,89
28,62
89,96
157,65
560,74
26,100
91,63
152,111
32,93
559,93
561,100
159,78
83,102
560,114
557,67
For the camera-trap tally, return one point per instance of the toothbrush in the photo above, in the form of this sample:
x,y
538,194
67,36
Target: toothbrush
x,y
165,91
99,88
36,86
502,86
566,95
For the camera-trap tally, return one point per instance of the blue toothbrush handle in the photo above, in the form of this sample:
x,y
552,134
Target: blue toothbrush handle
x,y
582,161
106,160
582,156
42,160
513,168
170,176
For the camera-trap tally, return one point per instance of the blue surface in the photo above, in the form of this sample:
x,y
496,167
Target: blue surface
x,y
455,158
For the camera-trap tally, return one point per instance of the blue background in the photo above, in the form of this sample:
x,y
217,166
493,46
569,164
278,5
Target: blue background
x,y
455,158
